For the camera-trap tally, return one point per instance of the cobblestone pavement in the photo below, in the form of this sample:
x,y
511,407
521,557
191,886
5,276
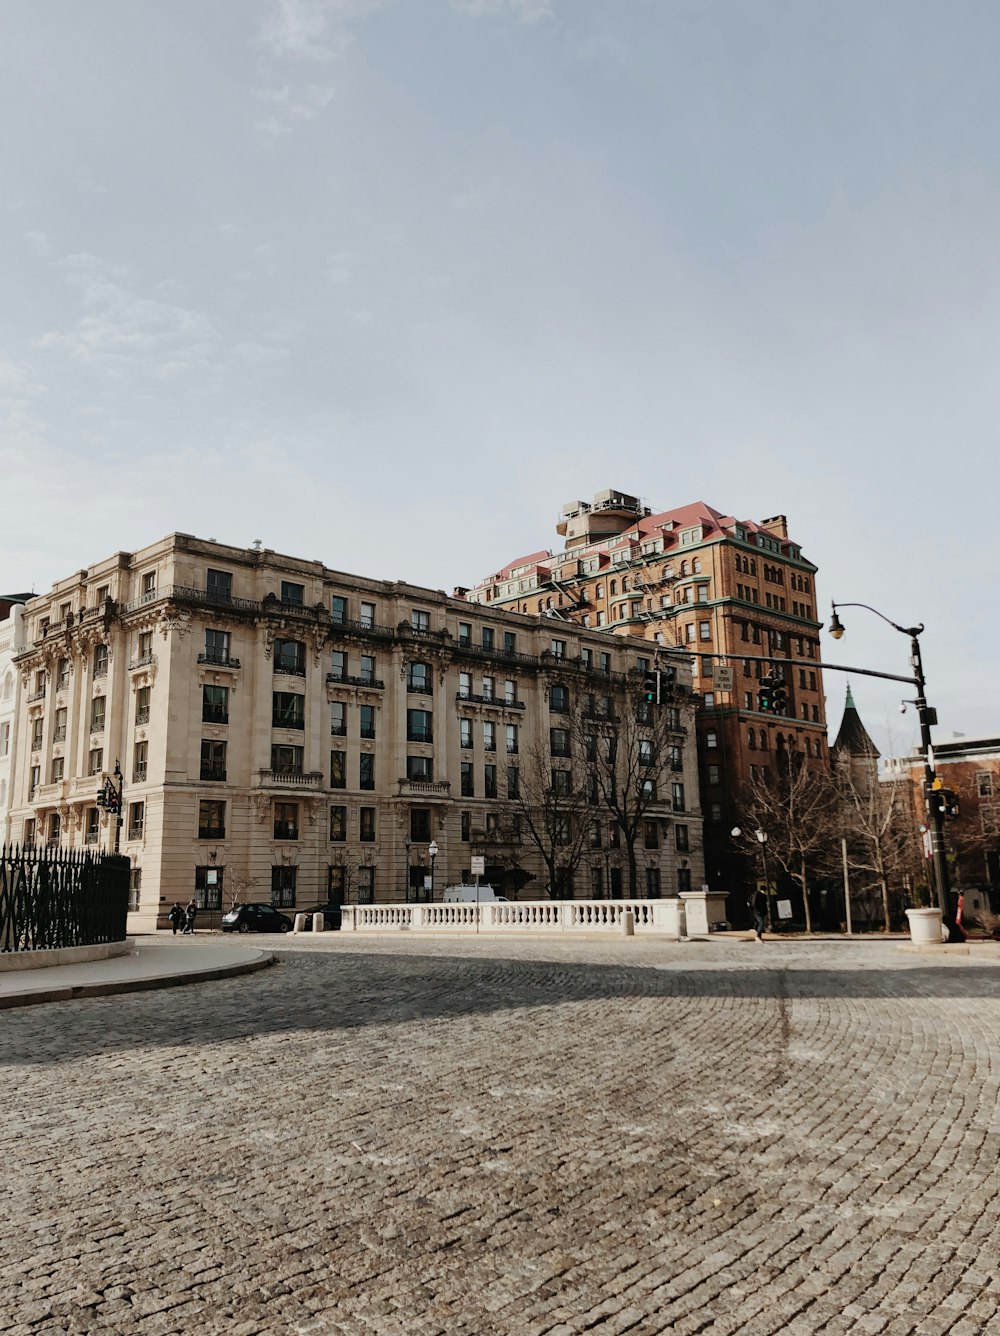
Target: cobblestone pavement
x,y
479,1137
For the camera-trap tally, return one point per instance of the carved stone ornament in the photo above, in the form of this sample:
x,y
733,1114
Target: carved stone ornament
x,y
268,641
175,620
261,802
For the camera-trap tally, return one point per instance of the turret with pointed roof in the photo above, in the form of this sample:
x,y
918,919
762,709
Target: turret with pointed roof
x,y
853,747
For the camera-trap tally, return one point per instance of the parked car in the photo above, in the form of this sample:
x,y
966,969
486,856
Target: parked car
x,y
255,918
472,895
331,917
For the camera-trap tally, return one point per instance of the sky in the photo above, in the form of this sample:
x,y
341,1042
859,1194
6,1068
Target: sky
x,y
385,283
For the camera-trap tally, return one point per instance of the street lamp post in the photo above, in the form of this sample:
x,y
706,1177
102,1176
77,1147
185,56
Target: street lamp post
x,y
927,716
432,850
406,872
109,796
761,837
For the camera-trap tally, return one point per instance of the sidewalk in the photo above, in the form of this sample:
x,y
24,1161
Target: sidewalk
x,y
155,962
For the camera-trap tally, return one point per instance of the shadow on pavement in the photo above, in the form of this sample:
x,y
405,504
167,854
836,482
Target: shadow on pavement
x,y
337,992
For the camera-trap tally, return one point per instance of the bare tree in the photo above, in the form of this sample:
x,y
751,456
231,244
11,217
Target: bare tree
x,y
549,807
797,809
240,883
879,831
632,752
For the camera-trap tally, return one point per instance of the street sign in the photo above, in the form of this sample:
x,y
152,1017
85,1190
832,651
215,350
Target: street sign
x,y
784,909
724,677
478,868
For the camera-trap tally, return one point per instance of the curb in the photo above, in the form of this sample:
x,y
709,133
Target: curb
x,y
106,988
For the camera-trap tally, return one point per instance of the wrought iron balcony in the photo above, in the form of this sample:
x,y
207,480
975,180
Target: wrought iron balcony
x,y
290,669
139,773
345,626
142,715
59,734
420,735
217,660
350,680
135,832
284,721
216,773
36,695
141,661
499,703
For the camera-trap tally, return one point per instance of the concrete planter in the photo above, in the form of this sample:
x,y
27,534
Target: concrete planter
x,y
925,926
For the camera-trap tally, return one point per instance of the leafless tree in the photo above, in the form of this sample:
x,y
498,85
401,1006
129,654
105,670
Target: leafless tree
x,y
879,830
549,807
240,884
798,811
632,751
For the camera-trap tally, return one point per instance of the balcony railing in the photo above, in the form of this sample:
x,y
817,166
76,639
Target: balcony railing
x,y
214,714
349,680
140,661
420,735
365,628
211,832
217,660
338,731
97,725
135,832
424,788
139,773
282,721
290,779
420,687
216,773
59,734
142,715
36,695
92,837
290,669
284,830
100,670
500,703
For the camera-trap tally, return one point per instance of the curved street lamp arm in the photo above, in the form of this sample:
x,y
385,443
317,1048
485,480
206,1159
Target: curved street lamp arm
x,y
905,630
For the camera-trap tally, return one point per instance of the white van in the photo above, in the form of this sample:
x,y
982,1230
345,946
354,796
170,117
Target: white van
x,y
462,895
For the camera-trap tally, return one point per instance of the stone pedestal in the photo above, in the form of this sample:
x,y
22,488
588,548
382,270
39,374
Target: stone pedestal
x,y
703,910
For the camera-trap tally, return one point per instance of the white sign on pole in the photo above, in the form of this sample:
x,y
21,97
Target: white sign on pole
x,y
427,883
478,865
724,677
784,909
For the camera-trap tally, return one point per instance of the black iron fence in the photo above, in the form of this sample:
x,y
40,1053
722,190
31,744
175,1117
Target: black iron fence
x,y
51,898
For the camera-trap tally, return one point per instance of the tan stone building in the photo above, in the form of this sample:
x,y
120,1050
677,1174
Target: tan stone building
x,y
288,733
738,595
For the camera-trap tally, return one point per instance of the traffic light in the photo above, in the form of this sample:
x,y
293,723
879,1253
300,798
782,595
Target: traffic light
x,y
949,805
765,696
779,696
651,688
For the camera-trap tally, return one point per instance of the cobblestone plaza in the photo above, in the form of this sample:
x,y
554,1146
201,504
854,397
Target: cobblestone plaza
x,y
490,1137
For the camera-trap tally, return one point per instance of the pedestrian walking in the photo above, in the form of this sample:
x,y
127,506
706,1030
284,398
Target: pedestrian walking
x,y
759,914
175,917
190,913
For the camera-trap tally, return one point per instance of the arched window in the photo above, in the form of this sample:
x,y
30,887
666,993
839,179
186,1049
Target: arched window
x,y
763,739
625,584
752,740
684,568
696,565
614,587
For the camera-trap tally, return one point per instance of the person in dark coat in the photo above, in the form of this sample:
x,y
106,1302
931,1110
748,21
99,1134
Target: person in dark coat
x,y
190,914
759,914
175,917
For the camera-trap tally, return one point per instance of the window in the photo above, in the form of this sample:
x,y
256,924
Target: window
x,y
488,637
100,660
367,829
647,753
704,630
651,835
219,585
136,820
489,688
338,770
214,704
62,674
653,883
509,642
58,769
366,885
751,739
984,783
713,774
4,739
283,881
467,787
420,769
288,710
677,796
290,657
510,691
55,827
465,733
96,761
489,736
683,879
97,714
559,649
338,824
142,698
286,760
711,740
561,783
367,669
139,761
420,825
418,677
211,819
511,730
338,609
465,686
366,771
144,647
681,841
559,741
213,759
28,836
513,782
604,661
149,584
292,595
338,666
59,725
420,621
559,699
92,832
647,787
466,827
286,821
465,633
338,719
367,615
419,726
489,781
366,714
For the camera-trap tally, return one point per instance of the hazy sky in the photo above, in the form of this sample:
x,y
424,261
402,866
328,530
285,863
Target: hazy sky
x,y
386,284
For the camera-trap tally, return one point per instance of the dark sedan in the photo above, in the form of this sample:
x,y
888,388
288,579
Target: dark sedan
x,y
331,917
255,918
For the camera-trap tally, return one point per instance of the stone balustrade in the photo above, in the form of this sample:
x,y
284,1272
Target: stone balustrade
x,y
662,918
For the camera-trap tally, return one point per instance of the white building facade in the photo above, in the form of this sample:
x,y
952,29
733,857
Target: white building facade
x,y
288,733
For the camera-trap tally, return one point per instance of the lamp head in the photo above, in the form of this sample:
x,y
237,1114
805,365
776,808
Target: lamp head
x,y
432,849
835,628
761,836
